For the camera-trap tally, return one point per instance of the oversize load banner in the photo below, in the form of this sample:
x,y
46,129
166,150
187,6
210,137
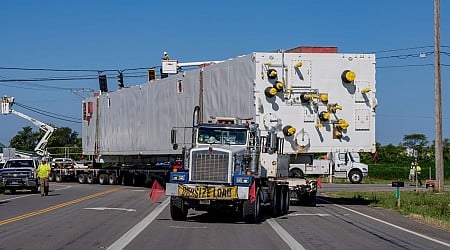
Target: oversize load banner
x,y
203,192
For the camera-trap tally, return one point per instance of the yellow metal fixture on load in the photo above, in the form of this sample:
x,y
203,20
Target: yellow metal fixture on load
x,y
338,134
334,107
289,130
270,91
279,86
343,124
272,73
324,97
324,116
299,64
306,97
348,76
365,90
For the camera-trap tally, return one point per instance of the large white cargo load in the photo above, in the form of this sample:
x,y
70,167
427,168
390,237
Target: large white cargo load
x,y
317,102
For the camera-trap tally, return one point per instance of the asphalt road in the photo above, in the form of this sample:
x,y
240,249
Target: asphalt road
x,y
77,216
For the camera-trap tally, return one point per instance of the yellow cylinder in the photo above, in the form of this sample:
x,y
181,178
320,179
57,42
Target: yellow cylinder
x,y
348,76
279,86
270,92
324,97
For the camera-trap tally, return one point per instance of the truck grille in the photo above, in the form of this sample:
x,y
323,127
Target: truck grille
x,y
210,167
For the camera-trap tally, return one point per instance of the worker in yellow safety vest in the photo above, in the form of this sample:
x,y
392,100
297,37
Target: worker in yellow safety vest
x,y
418,172
44,170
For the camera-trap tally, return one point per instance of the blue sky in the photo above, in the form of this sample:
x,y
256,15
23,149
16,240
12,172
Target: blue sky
x,y
102,35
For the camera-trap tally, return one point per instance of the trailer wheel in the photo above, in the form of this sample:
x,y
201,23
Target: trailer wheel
x,y
82,178
251,210
112,179
90,178
102,179
178,210
58,177
355,176
296,173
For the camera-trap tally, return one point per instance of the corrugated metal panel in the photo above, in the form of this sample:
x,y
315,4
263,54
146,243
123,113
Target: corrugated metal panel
x,y
138,120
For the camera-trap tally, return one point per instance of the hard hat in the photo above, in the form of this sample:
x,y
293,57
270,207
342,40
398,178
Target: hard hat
x,y
165,53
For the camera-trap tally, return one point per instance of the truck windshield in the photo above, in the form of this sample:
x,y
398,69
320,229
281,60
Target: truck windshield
x,y
222,136
19,164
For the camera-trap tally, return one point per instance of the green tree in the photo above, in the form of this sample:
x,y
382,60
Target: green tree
x,y
418,142
61,137
415,141
25,140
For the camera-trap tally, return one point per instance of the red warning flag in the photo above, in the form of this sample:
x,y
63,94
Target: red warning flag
x,y
156,191
252,193
319,183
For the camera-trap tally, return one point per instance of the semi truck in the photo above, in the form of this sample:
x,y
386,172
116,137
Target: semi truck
x,y
285,104
343,165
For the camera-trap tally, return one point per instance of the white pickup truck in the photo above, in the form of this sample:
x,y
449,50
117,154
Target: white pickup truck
x,y
20,174
338,165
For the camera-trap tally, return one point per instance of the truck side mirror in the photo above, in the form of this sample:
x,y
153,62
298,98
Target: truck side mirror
x,y
173,136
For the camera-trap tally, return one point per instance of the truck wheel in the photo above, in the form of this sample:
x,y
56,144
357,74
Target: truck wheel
x,y
251,210
102,179
82,178
58,177
286,200
355,176
112,179
178,210
51,177
296,173
276,201
90,178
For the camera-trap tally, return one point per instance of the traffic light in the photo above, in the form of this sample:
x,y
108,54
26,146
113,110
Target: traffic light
x,y
120,76
151,74
103,83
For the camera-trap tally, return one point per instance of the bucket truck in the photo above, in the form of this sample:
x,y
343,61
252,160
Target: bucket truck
x,y
40,149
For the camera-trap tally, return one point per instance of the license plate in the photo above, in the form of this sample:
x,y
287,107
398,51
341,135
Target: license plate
x,y
203,192
14,182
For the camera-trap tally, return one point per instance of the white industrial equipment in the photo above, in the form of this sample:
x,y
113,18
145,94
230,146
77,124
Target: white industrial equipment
x,y
40,149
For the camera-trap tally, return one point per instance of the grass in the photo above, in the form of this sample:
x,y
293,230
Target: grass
x,y
428,207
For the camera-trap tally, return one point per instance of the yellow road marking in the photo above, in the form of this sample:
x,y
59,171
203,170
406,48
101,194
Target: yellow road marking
x,y
64,204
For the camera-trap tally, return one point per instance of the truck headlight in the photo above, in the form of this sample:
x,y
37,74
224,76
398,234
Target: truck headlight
x,y
242,180
179,177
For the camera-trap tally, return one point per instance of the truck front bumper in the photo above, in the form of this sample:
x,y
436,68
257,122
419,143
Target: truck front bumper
x,y
18,183
207,192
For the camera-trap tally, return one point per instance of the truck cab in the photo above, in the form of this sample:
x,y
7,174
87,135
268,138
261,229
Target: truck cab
x,y
20,174
344,165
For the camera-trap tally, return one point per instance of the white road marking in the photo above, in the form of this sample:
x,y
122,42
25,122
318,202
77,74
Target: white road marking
x,y
390,224
189,227
320,215
285,236
111,208
123,241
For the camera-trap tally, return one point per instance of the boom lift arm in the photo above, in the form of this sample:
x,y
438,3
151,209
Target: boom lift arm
x,y
40,148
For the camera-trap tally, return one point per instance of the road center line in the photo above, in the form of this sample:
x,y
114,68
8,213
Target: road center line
x,y
45,210
389,224
123,241
285,236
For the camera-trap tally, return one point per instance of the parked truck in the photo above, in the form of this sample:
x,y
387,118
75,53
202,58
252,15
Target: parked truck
x,y
344,165
285,103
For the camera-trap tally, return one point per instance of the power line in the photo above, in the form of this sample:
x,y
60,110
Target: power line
x,y
405,66
48,114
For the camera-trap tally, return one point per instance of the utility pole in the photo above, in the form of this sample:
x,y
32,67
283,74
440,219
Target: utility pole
x,y
439,160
